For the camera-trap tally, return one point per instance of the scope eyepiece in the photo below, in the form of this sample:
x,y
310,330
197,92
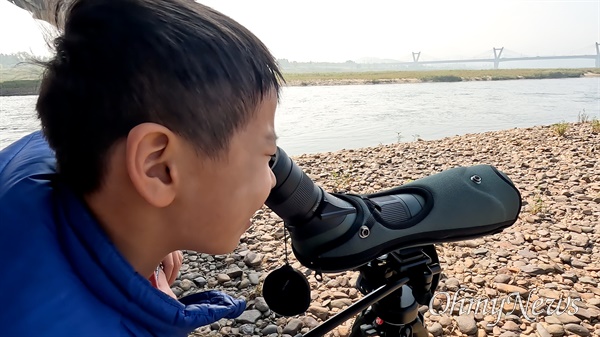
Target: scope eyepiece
x,y
295,197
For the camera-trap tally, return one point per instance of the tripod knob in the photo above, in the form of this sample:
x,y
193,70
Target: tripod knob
x,y
368,330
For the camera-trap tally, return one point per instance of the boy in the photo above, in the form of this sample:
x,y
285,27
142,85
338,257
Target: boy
x,y
157,130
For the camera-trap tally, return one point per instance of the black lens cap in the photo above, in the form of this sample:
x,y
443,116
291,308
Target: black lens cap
x,y
286,291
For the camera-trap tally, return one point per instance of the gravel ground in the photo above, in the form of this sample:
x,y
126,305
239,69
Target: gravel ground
x,y
551,253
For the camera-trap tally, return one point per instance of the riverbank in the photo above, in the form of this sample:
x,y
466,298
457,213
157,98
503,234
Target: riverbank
x,y
434,76
20,88
26,81
550,252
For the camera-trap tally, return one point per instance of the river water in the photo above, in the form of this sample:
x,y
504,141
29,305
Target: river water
x,y
330,118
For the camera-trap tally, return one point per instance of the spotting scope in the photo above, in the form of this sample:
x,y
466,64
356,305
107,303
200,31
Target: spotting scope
x,y
333,232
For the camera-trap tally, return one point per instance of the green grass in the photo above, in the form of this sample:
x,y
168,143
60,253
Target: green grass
x,y
538,204
595,126
439,75
20,72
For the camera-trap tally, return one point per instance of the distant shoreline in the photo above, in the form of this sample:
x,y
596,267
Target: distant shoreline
x,y
24,87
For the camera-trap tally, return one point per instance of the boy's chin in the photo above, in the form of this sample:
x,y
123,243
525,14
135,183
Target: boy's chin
x,y
223,249
226,246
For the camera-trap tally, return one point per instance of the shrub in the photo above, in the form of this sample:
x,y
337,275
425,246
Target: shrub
x,y
560,128
595,126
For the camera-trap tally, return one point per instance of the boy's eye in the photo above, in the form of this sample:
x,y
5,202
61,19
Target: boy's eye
x,y
272,160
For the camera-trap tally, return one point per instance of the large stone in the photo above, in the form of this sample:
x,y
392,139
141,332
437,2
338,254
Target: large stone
x,y
247,329
510,325
502,278
200,281
261,304
293,327
343,330
452,284
249,316
542,332
577,329
537,269
566,318
509,289
254,278
435,329
222,278
466,324
186,284
270,329
319,311
509,334
556,330
234,272
579,240
253,259
309,322
527,253
341,303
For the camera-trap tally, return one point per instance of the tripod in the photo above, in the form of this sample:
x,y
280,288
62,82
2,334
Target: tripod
x,y
394,286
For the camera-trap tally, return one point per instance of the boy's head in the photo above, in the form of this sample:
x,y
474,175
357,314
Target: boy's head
x,y
164,107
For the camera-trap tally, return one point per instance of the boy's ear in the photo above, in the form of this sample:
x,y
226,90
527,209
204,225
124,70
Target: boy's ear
x,y
150,161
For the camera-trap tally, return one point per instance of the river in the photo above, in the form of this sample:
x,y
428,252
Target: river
x,y
329,118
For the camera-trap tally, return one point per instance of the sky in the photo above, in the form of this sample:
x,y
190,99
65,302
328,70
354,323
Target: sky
x,y
337,31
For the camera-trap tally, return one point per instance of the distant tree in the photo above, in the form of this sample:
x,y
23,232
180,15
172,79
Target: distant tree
x,y
11,60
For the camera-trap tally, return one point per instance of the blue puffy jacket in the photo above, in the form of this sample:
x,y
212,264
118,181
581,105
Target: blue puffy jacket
x,y
61,276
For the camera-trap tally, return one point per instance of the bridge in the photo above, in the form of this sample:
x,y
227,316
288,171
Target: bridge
x,y
497,58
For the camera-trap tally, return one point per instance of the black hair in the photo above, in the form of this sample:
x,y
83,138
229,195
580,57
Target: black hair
x,y
119,63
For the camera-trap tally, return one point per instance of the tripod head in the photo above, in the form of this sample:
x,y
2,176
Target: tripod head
x,y
333,232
